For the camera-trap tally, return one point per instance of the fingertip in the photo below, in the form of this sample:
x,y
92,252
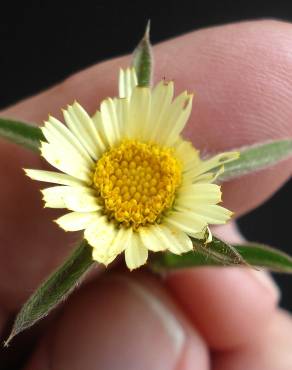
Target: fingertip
x,y
269,351
227,305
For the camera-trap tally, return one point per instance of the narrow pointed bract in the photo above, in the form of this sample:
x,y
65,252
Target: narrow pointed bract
x,y
142,59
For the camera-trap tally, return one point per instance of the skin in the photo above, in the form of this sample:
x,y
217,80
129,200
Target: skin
x,y
199,319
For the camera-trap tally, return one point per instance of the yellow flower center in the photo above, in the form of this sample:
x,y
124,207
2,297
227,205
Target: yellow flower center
x,y
136,182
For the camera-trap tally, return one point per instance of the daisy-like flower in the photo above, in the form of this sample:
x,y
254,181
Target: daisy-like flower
x,y
129,179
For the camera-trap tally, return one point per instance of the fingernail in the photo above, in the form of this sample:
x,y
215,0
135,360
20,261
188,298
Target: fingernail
x,y
160,312
155,334
266,280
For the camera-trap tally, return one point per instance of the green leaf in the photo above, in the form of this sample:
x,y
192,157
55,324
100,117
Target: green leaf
x,y
218,253
214,253
54,290
265,256
142,59
21,133
257,157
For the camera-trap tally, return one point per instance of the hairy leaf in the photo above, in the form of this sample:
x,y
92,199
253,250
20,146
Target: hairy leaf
x,y
219,253
21,133
54,290
257,157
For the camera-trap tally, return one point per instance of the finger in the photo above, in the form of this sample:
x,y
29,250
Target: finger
x,y
270,351
229,112
128,323
228,232
227,305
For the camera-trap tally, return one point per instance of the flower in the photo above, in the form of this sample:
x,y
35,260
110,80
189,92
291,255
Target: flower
x,y
129,179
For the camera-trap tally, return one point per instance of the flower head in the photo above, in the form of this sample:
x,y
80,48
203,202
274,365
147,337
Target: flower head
x,y
129,179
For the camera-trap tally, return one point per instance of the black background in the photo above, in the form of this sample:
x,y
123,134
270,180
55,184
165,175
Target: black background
x,y
43,42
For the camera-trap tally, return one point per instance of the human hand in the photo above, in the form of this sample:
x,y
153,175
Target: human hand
x,y
223,319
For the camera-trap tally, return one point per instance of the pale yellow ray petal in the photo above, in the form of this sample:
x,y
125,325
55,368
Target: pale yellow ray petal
x,y
96,119
161,99
199,188
208,177
121,241
174,120
75,221
212,163
66,150
189,203
136,253
205,235
186,221
179,115
109,123
175,240
69,165
127,81
103,259
186,154
212,214
56,132
79,200
53,177
86,121
138,115
81,130
122,110
198,194
100,235
150,240
54,197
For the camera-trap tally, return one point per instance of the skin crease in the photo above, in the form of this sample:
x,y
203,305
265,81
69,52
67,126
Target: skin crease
x,y
241,82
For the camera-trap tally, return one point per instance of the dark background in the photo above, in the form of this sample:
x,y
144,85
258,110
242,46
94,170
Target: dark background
x,y
43,42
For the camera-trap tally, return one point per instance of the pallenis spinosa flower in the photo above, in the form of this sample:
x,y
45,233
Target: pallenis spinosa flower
x,y
129,179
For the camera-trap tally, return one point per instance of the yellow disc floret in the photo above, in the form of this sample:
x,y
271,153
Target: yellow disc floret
x,y
137,182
